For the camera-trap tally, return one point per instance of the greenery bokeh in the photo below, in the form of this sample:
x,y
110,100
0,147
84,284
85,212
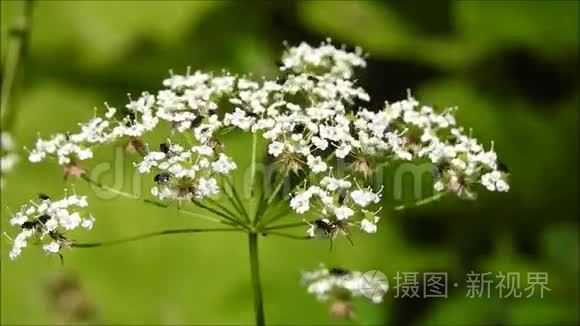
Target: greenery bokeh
x,y
510,66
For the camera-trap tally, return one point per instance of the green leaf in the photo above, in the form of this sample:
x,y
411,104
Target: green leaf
x,y
547,26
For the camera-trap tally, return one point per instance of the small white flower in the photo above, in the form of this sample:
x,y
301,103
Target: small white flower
x,y
333,184
275,148
88,222
202,150
368,226
69,221
223,165
207,187
53,247
438,186
364,197
501,185
343,212
316,164
320,143
19,219
343,151
301,202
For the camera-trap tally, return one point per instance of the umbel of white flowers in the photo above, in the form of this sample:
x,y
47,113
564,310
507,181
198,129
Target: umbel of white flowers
x,y
340,286
312,114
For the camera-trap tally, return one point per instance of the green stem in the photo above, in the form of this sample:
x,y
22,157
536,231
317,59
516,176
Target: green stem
x,y
421,202
289,236
225,216
101,186
20,33
223,208
253,163
148,235
285,212
88,179
236,201
285,226
278,187
256,285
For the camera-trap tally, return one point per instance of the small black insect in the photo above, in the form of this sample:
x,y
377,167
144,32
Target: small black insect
x,y
502,167
38,222
42,196
196,122
57,236
341,196
164,147
339,271
330,230
43,218
29,225
436,173
282,79
323,226
298,128
312,78
252,114
440,168
162,178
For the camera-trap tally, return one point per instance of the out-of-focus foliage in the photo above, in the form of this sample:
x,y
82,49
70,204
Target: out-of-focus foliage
x,y
510,66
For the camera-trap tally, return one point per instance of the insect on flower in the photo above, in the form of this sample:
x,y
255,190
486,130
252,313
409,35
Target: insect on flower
x,y
162,178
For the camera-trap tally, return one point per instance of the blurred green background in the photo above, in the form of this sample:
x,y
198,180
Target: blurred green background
x,y
511,67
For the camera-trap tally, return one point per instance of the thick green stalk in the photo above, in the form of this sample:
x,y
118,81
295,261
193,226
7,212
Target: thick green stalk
x,y
19,37
256,283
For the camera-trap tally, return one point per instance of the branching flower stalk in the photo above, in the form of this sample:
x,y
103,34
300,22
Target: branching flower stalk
x,y
323,145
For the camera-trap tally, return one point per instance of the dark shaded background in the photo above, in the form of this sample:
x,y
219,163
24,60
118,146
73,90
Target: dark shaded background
x,y
510,66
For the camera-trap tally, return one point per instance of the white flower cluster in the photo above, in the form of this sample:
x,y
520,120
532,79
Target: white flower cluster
x,y
310,116
46,221
408,130
186,174
336,62
7,156
336,205
340,284
188,104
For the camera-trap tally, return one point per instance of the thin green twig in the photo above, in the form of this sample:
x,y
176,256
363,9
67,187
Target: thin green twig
x,y
149,235
285,226
231,219
278,187
101,186
223,208
286,235
253,163
237,199
276,217
421,202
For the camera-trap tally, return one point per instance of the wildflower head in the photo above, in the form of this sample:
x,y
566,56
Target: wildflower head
x,y
46,222
339,287
311,120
